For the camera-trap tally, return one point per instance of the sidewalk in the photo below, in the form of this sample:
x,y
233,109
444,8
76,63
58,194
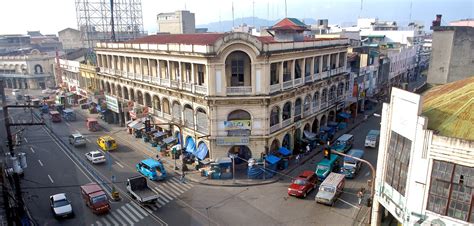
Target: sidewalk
x,y
241,174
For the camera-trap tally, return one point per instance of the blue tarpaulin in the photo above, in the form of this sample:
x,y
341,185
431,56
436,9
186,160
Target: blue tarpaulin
x,y
169,140
272,159
190,145
284,151
158,134
201,151
344,115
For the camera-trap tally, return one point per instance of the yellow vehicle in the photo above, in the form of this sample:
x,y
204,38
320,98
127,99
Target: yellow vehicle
x,y
107,143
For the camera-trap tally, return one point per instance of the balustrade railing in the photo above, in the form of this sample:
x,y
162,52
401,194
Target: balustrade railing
x,y
288,84
239,90
275,127
275,88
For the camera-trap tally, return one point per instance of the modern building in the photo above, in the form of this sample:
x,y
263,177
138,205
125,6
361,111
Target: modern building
x,y
452,54
71,39
34,71
232,92
179,22
425,165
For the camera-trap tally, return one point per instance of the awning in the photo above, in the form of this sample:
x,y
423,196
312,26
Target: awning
x,y
159,134
284,151
190,145
169,140
138,126
344,115
132,123
310,135
201,151
272,159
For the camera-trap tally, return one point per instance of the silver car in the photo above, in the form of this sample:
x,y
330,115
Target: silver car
x,y
61,206
76,139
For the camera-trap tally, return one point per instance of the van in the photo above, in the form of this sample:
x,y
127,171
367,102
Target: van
x,y
76,139
330,189
326,166
372,138
343,143
151,168
351,166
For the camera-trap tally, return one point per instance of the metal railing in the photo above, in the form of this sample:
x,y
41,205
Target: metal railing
x,y
174,84
298,81
286,123
308,79
275,88
165,82
288,84
239,90
275,127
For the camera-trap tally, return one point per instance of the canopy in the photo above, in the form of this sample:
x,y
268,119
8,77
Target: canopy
x,y
272,159
190,145
344,115
201,151
169,140
284,151
138,126
310,135
158,134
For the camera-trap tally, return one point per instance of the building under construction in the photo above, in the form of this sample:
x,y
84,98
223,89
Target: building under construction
x,y
109,20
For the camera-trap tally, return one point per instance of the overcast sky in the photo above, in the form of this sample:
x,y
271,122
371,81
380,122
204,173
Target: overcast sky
x,y
51,16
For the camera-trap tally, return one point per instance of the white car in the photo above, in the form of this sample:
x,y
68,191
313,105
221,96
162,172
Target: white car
x,y
60,205
48,91
95,156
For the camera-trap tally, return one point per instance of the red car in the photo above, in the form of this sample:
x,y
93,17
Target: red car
x,y
303,184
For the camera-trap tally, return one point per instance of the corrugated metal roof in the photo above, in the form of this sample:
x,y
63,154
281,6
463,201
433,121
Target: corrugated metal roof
x,y
449,109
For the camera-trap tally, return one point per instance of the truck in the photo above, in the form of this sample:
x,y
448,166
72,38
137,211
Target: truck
x,y
137,187
330,189
95,198
372,138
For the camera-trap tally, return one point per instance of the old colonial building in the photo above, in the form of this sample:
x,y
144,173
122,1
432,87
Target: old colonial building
x,y
233,92
34,71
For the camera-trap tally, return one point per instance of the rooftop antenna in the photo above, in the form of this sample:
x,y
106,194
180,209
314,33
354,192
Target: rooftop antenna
x,y
286,10
185,6
233,25
411,4
361,4
268,12
253,13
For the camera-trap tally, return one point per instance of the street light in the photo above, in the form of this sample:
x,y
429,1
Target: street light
x,y
233,156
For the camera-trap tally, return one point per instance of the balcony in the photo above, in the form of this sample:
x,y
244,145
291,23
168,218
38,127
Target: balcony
x,y
239,90
288,84
202,129
139,77
155,80
174,84
324,105
317,76
146,78
315,109
298,81
308,79
275,88
274,128
165,82
124,74
187,86
167,116
200,89
307,113
286,123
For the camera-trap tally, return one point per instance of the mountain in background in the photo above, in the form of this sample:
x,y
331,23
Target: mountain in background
x,y
226,25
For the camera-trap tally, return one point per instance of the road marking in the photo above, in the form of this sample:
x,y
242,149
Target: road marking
x,y
88,140
170,190
140,209
348,203
129,213
116,215
26,140
24,121
153,207
111,219
175,186
68,124
162,203
32,150
134,210
98,223
183,184
164,194
40,162
51,179
163,198
118,163
106,222
124,217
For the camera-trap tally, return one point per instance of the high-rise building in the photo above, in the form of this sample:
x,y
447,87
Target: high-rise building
x,y
179,22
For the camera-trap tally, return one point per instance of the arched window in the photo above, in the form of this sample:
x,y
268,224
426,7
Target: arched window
x,y
188,116
275,116
125,93
139,97
332,94
324,96
340,89
298,109
38,69
316,100
243,117
148,100
286,111
156,103
176,110
166,106
201,121
307,104
238,69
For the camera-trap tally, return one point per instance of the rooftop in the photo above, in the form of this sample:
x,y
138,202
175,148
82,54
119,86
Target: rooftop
x,y
449,109
289,24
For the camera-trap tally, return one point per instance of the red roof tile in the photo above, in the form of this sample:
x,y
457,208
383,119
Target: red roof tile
x,y
194,39
289,24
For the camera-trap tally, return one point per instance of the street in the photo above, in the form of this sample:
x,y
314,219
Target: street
x,y
56,168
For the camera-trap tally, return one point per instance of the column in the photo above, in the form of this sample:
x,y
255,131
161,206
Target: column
x,y
303,70
280,75
192,74
149,66
158,69
133,65
179,78
293,70
168,72
337,61
141,67
126,65
312,68
321,65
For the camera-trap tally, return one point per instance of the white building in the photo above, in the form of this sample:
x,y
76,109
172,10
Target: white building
x,y
179,22
425,166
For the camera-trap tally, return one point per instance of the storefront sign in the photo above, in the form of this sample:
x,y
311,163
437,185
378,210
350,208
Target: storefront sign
x,y
230,141
112,103
237,124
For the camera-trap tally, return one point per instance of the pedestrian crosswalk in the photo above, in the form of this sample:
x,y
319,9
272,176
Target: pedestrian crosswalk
x,y
131,213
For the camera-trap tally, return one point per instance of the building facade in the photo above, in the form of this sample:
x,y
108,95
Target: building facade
x,y
425,165
234,92
71,39
27,72
179,22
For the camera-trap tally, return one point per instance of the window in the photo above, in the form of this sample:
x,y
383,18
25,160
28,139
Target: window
x,y
297,69
307,67
342,59
325,62
316,64
200,75
286,71
275,116
286,111
274,77
451,190
237,70
397,168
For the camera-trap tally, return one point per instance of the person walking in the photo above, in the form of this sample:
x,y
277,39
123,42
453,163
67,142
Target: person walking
x,y
360,195
297,159
182,178
308,149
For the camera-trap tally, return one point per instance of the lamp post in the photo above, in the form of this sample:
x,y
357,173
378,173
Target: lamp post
x,y
233,156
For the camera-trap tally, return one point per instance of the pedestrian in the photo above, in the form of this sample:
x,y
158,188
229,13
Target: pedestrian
x,y
297,158
308,148
360,194
183,175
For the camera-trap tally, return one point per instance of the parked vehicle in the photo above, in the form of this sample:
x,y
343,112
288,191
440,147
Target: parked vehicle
x,y
330,189
95,156
77,140
327,166
352,166
61,206
372,138
55,116
303,184
92,124
69,115
151,168
343,143
95,198
16,92
107,143
138,188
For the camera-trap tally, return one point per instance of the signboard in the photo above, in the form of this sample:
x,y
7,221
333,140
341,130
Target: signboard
x,y
237,124
112,103
230,141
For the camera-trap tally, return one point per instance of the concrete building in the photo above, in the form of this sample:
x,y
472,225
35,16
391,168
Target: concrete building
x,y
452,54
70,38
425,165
33,71
179,22
462,23
232,92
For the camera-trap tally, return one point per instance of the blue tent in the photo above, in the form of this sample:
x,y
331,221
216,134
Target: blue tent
x,y
344,115
201,151
190,145
159,134
271,159
284,151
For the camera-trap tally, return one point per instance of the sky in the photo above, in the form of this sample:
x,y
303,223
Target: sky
x,y
51,16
